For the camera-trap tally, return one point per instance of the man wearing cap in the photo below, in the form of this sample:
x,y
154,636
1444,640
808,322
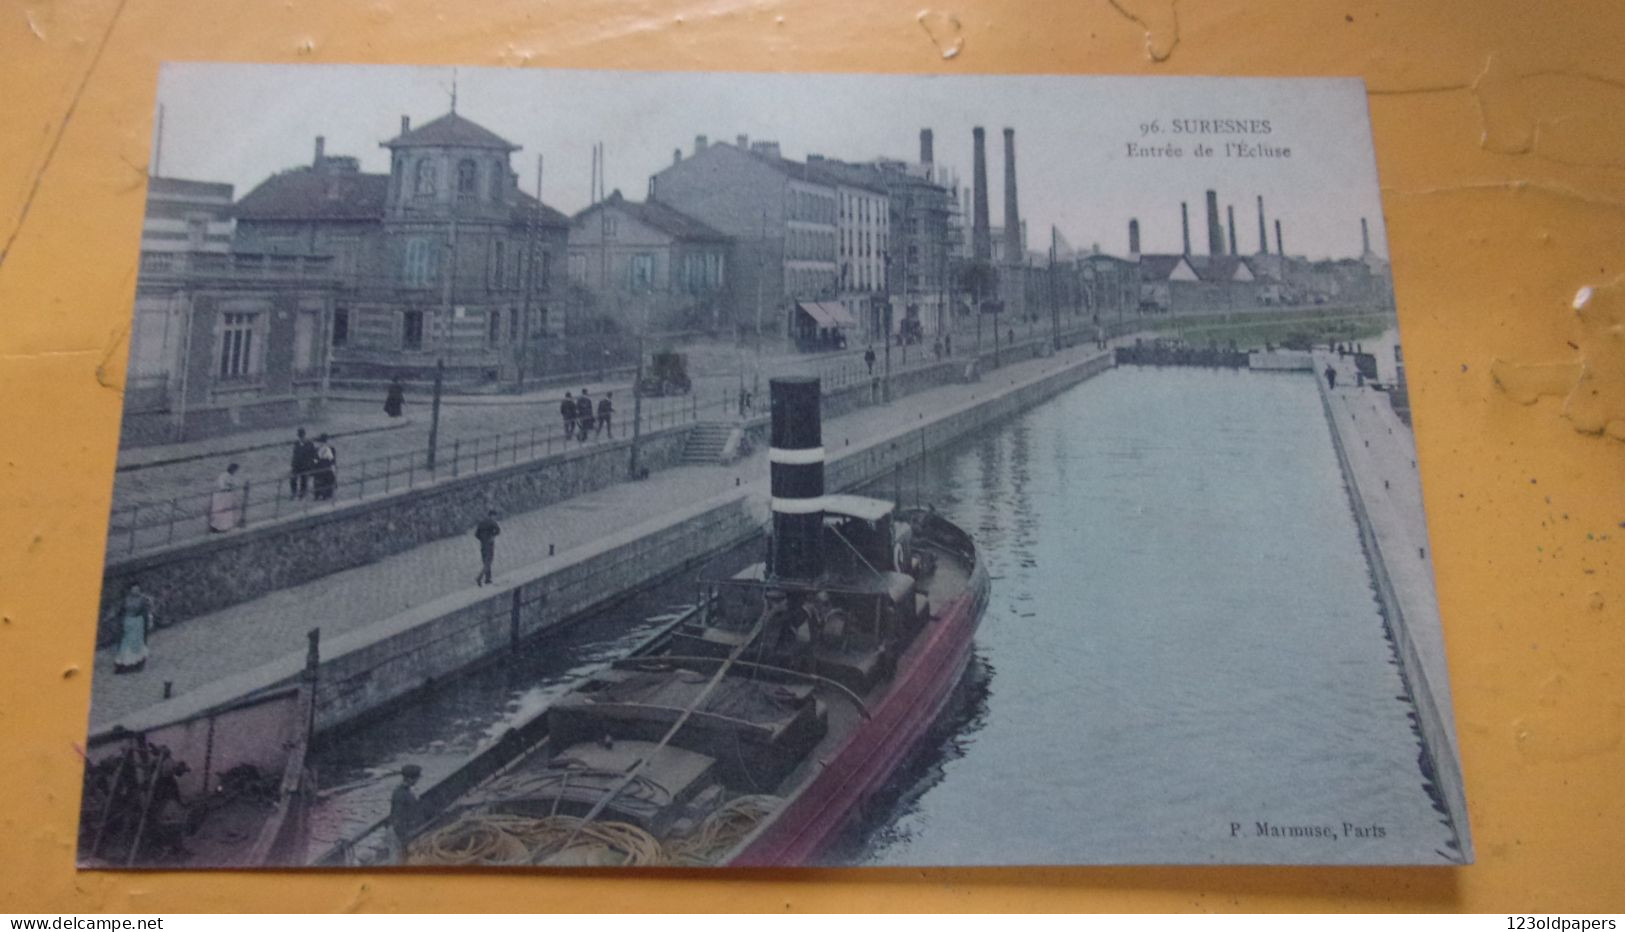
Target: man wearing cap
x,y
405,811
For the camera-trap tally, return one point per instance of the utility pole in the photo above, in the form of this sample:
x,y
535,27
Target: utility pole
x,y
434,410
533,235
448,286
637,412
1054,304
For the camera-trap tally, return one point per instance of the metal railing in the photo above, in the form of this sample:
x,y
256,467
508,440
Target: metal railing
x,y
152,524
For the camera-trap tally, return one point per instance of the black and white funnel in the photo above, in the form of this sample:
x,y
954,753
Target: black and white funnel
x,y
796,468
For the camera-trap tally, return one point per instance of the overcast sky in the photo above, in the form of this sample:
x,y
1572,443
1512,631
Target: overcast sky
x,y
240,123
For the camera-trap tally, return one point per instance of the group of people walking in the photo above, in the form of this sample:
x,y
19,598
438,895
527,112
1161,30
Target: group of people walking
x,y
314,469
583,421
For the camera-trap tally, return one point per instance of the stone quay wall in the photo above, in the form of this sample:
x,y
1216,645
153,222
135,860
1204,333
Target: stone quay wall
x,y
219,571
1438,739
368,669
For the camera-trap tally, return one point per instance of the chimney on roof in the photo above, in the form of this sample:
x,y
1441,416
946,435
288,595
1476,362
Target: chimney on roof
x,y
1365,238
1134,239
1215,233
1185,226
699,144
1279,249
406,124
765,147
676,156
321,154
1230,216
1263,232
981,232
1013,250
743,141
927,155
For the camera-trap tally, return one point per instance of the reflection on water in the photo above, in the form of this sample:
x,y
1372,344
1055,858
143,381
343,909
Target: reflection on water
x,y
1182,646
1186,641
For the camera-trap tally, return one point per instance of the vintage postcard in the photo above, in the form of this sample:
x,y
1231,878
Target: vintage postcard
x,y
545,468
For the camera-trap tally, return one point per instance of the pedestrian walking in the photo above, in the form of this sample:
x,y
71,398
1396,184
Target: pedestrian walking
x,y
584,416
136,615
1331,376
395,398
606,411
869,358
325,477
225,503
486,533
304,460
405,811
567,411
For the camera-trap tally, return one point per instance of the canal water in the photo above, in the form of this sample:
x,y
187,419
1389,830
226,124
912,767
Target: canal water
x,y
1182,662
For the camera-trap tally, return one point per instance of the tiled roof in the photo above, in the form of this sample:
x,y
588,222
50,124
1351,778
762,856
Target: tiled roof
x,y
1156,267
660,216
309,194
312,194
452,130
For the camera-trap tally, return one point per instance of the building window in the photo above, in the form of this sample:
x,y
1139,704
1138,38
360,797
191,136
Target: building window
x,y
237,346
578,267
643,271
546,271
341,326
419,268
467,178
493,322
513,327
496,181
499,255
197,232
412,330
424,183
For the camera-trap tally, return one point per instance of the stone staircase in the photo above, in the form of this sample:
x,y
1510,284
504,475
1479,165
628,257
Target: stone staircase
x,y
706,443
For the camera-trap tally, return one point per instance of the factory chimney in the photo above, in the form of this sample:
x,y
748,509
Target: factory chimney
x,y
1185,226
981,234
1013,252
927,156
1365,236
1279,249
406,124
796,479
1215,233
1230,215
1134,240
1263,232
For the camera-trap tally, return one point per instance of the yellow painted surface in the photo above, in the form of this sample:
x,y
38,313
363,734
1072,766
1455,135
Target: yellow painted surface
x,y
1500,131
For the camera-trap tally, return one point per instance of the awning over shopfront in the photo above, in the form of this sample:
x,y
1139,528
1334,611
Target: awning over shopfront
x,y
828,314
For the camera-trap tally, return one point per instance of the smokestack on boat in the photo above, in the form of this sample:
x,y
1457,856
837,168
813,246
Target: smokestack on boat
x,y
796,475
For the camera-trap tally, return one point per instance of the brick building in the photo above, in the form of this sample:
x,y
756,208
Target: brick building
x,y
186,216
442,258
226,341
783,217
650,266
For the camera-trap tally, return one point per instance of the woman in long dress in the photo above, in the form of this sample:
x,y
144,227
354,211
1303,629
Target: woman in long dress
x,y
136,619
327,464
226,503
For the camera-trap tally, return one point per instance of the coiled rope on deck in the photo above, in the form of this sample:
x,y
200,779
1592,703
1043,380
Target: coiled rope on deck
x,y
496,839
